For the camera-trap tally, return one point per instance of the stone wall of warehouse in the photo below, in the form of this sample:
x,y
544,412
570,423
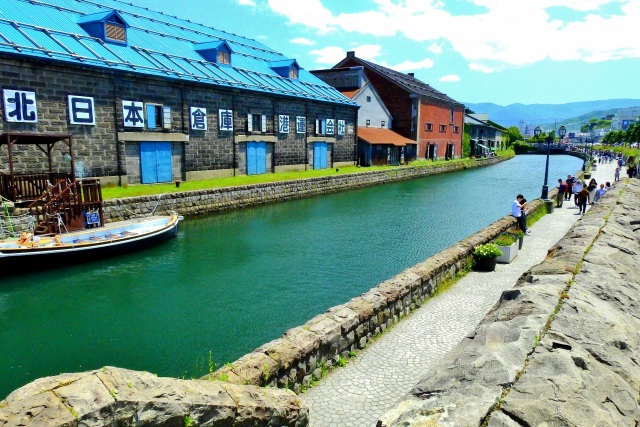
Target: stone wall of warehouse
x,y
219,199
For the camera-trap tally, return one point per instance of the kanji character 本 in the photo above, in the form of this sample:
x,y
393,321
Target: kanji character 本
x,y
283,122
20,106
132,112
225,120
198,118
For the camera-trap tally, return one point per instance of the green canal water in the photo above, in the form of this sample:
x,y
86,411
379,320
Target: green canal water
x,y
231,282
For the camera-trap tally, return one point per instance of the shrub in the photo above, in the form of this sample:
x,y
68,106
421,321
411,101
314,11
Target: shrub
x,y
505,239
488,250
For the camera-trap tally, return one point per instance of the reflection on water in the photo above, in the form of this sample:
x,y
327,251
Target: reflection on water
x,y
231,282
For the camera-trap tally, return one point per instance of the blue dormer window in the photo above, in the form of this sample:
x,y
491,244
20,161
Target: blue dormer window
x,y
286,68
107,26
216,51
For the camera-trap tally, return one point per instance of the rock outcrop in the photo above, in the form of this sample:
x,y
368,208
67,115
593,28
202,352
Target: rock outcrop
x,y
120,397
561,349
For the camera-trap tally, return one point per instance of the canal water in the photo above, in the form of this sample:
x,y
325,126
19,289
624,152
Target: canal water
x,y
231,282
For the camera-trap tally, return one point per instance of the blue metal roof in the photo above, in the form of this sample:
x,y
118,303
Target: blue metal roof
x,y
157,44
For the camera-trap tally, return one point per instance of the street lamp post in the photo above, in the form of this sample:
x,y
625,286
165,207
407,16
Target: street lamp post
x,y
537,131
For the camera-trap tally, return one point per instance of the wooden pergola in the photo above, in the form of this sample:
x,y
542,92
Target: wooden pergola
x,y
45,143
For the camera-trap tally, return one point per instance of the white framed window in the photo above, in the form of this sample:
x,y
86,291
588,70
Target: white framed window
x,y
256,122
443,128
321,126
224,57
158,116
428,127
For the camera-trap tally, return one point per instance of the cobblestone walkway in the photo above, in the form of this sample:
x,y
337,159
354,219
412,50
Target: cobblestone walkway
x,y
359,393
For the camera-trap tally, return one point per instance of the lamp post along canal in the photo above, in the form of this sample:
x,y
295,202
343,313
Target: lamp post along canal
x,y
545,187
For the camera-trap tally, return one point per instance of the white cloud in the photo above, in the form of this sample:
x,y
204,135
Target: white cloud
x,y
482,68
328,55
334,54
435,48
412,65
506,33
449,78
310,13
247,3
302,40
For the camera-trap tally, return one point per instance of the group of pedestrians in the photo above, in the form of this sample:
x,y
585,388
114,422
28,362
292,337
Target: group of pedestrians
x,y
583,194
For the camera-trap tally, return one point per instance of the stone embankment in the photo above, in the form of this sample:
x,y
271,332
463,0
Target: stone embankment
x,y
220,199
560,349
119,397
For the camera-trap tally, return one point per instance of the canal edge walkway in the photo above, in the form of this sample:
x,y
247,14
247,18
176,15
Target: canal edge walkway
x,y
359,393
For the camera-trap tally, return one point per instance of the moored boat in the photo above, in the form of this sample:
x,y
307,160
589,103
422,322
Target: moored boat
x,y
51,250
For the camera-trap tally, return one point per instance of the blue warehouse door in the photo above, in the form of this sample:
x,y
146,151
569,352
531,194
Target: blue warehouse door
x,y
256,158
319,155
155,162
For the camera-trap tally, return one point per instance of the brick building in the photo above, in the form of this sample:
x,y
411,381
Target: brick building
x,y
420,112
147,97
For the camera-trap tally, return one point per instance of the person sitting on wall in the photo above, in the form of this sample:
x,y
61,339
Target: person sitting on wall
x,y
518,214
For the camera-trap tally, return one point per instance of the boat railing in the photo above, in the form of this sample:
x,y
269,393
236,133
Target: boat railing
x,y
65,207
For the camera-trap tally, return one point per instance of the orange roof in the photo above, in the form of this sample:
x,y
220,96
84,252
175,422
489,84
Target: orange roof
x,y
350,93
383,136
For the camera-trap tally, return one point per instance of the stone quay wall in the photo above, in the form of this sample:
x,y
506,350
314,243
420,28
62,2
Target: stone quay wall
x,y
200,202
114,397
561,348
303,353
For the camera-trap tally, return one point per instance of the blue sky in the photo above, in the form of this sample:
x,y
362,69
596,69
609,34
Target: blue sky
x,y
499,51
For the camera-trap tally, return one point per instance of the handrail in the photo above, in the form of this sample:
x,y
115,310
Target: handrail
x,y
69,205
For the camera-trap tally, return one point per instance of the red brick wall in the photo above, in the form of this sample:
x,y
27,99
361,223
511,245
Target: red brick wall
x,y
439,113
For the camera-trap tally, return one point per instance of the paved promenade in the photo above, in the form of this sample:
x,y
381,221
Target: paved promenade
x,y
359,393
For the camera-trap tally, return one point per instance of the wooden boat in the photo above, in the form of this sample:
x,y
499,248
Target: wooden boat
x,y
44,251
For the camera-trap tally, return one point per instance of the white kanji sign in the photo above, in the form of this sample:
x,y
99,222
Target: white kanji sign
x,y
198,118
330,126
283,123
301,124
20,106
133,114
341,127
225,120
81,110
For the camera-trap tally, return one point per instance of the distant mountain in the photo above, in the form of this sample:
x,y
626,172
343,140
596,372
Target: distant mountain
x,y
522,115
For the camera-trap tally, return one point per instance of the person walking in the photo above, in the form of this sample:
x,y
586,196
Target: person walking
x,y
582,198
592,187
570,180
577,187
562,188
516,212
616,175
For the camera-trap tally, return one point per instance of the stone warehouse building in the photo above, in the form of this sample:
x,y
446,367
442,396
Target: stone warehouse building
x,y
143,97
419,112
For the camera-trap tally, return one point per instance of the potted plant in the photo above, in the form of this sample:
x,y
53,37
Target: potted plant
x,y
519,235
485,257
508,245
594,164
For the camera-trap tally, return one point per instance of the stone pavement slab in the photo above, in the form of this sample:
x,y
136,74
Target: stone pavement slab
x,y
359,393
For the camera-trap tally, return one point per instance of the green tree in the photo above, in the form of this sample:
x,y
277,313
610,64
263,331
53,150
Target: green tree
x,y
513,135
